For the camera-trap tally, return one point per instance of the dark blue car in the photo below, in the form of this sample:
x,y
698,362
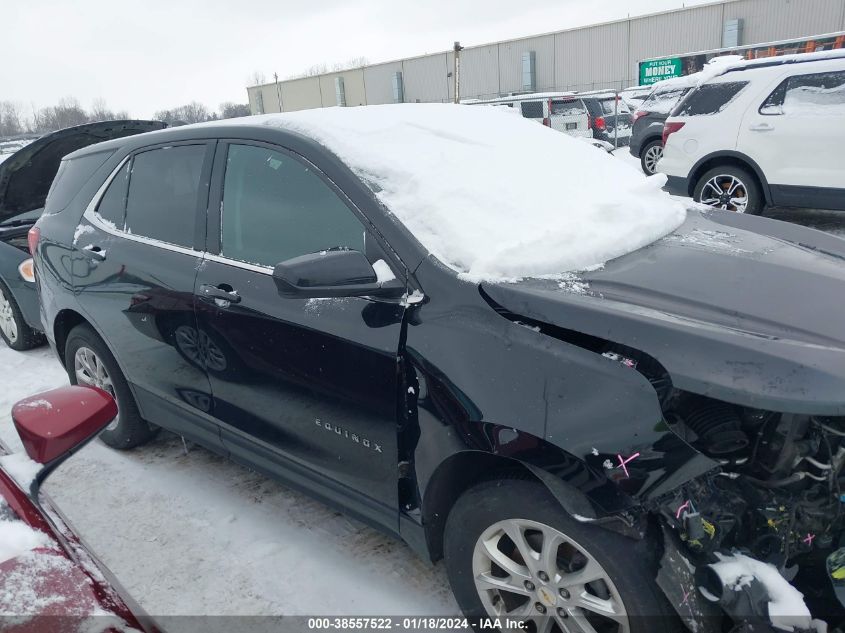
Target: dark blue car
x,y
25,179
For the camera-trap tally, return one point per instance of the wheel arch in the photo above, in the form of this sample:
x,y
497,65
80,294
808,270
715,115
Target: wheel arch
x,y
461,471
737,159
65,321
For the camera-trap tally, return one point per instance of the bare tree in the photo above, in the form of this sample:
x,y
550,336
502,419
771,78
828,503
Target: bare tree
x,y
193,112
322,69
11,119
101,112
67,113
231,110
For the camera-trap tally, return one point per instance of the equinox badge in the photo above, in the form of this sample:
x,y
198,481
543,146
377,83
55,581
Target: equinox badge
x,y
339,430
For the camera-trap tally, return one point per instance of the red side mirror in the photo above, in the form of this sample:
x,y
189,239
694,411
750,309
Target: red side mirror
x,y
54,423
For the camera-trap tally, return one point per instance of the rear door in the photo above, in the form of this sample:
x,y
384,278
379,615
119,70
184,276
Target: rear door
x,y
304,388
135,258
795,131
569,115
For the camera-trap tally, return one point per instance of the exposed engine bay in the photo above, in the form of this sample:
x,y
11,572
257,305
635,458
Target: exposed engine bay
x,y
777,499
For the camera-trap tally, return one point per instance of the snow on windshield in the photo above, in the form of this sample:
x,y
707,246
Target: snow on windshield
x,y
492,195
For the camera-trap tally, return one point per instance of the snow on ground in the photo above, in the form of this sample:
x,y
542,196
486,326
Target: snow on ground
x,y
490,194
196,534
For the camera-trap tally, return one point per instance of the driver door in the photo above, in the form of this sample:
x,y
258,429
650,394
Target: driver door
x,y
303,388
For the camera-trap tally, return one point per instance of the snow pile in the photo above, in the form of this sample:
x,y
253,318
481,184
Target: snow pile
x,y
16,537
787,609
492,195
21,468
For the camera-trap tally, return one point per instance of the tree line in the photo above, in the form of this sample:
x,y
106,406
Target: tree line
x,y
15,120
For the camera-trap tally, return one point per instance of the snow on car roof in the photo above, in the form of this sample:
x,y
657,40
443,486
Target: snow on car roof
x,y
492,195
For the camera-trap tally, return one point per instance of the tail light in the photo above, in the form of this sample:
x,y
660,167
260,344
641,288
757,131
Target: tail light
x,y
32,239
671,128
599,124
547,121
638,114
27,270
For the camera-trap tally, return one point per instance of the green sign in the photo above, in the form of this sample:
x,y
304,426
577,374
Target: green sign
x,y
655,70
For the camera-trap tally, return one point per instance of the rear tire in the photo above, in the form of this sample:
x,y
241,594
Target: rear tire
x,y
477,539
650,154
722,188
13,328
88,361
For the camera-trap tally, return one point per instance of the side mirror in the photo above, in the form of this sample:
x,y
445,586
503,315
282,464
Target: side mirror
x,y
55,424
333,273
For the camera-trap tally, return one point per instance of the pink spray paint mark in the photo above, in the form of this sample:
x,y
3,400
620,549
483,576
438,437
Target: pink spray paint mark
x,y
809,539
686,596
683,507
623,462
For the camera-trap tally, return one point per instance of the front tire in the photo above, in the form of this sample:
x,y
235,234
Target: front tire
x,y
650,155
730,188
88,361
512,552
13,328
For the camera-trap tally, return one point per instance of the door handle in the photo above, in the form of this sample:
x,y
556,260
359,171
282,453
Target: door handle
x,y
94,252
219,293
761,127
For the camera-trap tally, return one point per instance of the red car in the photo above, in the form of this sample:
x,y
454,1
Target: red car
x,y
49,581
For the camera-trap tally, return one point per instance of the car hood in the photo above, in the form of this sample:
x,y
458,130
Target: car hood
x,y
25,176
746,310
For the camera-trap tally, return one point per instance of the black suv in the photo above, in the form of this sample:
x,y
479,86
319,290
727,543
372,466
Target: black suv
x,y
584,451
647,133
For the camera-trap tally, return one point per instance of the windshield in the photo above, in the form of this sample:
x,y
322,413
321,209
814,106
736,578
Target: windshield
x,y
491,195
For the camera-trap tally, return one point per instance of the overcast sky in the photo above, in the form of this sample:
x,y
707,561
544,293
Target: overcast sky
x,y
155,54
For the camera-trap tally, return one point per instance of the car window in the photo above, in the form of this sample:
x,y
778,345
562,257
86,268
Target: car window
x,y
112,207
70,177
662,101
532,109
572,107
709,98
816,94
163,193
611,107
276,208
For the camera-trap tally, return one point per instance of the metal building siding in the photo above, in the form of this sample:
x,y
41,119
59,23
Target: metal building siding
x,y
353,84
425,78
378,82
252,97
692,29
301,94
772,20
587,59
480,71
510,63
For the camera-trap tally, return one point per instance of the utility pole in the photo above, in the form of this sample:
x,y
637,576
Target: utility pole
x,y
278,91
457,71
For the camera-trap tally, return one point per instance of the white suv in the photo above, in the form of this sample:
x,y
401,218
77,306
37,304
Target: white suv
x,y
762,132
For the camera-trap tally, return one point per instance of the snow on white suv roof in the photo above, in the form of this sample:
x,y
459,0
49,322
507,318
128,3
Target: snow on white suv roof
x,y
761,132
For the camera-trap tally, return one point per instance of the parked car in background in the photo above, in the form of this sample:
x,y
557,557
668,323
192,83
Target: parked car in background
x,y
762,132
647,122
25,178
372,304
635,95
596,116
49,580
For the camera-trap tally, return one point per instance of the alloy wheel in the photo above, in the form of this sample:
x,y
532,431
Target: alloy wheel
x,y
530,572
725,192
651,157
90,370
7,318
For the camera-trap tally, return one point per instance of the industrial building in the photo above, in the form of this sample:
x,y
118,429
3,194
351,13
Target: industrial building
x,y
601,56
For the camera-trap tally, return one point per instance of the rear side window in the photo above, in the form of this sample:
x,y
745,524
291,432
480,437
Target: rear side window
x,y
112,207
70,178
709,98
568,108
532,109
276,208
609,107
662,101
164,194
812,95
